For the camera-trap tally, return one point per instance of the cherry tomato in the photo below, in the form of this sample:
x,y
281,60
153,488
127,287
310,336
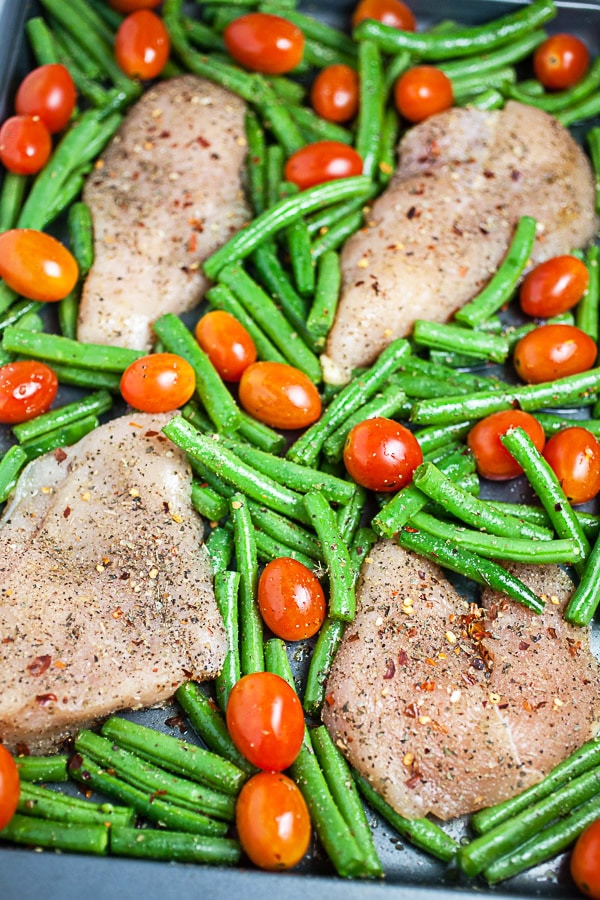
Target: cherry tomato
x,y
585,861
27,389
265,720
36,265
554,286
553,351
264,43
290,599
561,61
142,45
25,145
279,395
160,382
47,92
226,343
129,6
491,456
574,456
9,786
422,91
390,12
273,822
322,161
335,93
381,454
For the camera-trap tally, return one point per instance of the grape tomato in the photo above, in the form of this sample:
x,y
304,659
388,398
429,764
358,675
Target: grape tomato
x,y
226,343
159,382
320,162
9,786
25,144
491,456
291,599
380,454
264,43
554,286
553,351
561,61
279,395
272,821
421,92
142,45
27,389
47,92
574,456
36,265
335,93
389,12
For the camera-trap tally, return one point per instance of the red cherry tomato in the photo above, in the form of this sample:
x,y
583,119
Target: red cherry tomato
x,y
554,286
279,395
142,45
381,454
160,382
264,43
25,145
265,720
27,389
129,6
47,92
36,265
273,822
574,457
491,456
390,12
335,93
561,61
9,786
322,161
290,599
421,92
553,351
585,861
226,343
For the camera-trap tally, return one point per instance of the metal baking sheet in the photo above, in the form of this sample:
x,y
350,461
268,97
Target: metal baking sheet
x,y
25,875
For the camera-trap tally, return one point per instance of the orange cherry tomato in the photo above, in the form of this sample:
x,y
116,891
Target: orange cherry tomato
x,y
491,456
574,456
320,162
585,861
36,265
553,351
380,454
273,822
159,382
554,286
290,599
264,43
27,389
421,92
25,144
561,61
47,92
129,6
226,343
265,720
279,395
389,12
10,787
335,93
142,45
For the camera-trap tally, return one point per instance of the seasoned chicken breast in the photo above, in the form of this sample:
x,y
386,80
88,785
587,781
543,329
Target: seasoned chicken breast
x,y
440,230
167,193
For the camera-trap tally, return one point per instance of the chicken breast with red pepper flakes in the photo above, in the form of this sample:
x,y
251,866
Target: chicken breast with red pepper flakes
x,y
166,194
447,707
106,595
438,233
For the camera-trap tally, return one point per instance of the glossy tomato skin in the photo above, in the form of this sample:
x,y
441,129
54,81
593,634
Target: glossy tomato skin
x,y
142,45
491,456
226,343
290,599
265,720
320,162
389,12
129,6
421,92
36,265
264,43
553,351
272,821
585,861
159,382
27,389
554,286
335,93
47,92
279,395
574,456
561,61
10,788
25,144
380,454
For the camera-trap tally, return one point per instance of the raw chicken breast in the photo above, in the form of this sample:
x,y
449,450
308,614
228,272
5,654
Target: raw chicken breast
x,y
440,230
446,708
167,194
106,588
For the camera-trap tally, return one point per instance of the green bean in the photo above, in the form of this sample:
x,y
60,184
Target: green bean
x,y
269,548
94,22
299,250
54,348
87,378
322,311
593,140
587,315
349,516
42,41
209,503
335,236
584,602
112,18
68,313
43,803
67,44
70,836
13,314
81,236
292,92
491,98
507,54
587,108
255,167
221,297
468,85
203,36
276,280
260,435
370,114
250,621
389,403
10,466
589,522
328,641
276,116
219,545
320,222
11,199
173,845
42,768
7,297
209,724
342,599
274,162
362,542
389,139
454,337
437,436
557,101
93,404
394,68
284,530
314,128
63,436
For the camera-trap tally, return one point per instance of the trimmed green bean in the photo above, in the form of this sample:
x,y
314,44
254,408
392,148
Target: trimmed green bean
x,y
255,166
276,280
93,404
507,54
322,311
10,466
335,236
328,641
63,436
42,768
342,599
55,348
209,503
362,542
44,803
390,402
285,531
81,233
557,101
157,844
301,261
221,297
314,128
395,67
276,116
587,313
42,41
454,337
73,837
469,85
588,108
11,199
250,620
269,548
593,140
203,36
87,378
584,602
370,114
219,546
260,435
13,315
390,130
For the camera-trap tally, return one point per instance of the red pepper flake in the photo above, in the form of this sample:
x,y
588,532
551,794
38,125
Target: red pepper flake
x,y
193,243
414,780
426,686
552,633
60,455
66,512
353,637
403,657
523,645
329,700
411,711
202,141
390,670
45,699
176,722
39,665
